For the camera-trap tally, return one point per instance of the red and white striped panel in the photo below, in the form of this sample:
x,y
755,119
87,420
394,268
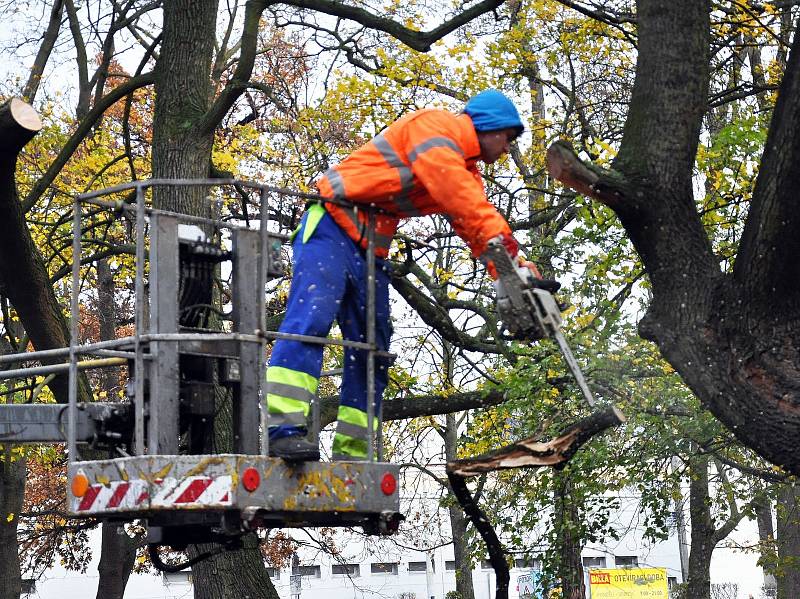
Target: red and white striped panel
x,y
193,490
118,495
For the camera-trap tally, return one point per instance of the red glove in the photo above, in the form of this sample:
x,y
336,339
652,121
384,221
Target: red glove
x,y
511,244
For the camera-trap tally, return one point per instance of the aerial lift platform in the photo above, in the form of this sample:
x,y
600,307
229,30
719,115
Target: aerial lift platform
x,y
190,275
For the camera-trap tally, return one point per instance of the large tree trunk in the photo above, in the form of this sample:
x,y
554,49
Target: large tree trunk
x,y
117,550
12,490
698,585
35,301
38,309
733,338
567,520
117,555
766,543
788,541
182,142
458,522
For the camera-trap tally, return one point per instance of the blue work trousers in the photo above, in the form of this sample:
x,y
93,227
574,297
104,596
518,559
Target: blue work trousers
x,y
329,281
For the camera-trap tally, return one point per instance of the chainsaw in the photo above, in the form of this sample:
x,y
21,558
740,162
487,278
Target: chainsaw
x,y
527,310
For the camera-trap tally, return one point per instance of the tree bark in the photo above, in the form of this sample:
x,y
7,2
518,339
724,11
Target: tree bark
x,y
766,542
698,585
117,555
12,490
458,523
567,521
497,557
788,541
48,42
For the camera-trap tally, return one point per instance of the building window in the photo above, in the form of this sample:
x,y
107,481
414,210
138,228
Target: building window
x,y
594,562
351,570
527,563
672,582
486,564
627,561
313,571
182,577
384,568
450,565
417,566
274,573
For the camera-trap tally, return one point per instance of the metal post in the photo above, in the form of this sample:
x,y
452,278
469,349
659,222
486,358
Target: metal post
x,y
371,335
246,319
263,264
72,446
138,397
163,407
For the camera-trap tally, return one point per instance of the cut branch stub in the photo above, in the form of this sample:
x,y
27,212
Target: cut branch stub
x,y
19,122
530,452
587,179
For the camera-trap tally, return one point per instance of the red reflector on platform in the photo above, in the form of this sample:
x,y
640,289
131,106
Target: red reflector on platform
x,y
251,479
388,484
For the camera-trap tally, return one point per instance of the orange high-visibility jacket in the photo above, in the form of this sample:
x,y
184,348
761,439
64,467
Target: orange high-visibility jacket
x,y
424,163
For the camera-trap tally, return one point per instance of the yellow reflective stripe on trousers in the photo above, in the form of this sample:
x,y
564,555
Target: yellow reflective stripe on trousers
x,y
350,446
287,406
290,393
295,378
352,416
352,431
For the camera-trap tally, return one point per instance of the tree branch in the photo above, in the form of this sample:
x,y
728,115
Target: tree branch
x,y
421,405
766,265
606,186
530,452
435,316
43,55
81,132
239,80
417,40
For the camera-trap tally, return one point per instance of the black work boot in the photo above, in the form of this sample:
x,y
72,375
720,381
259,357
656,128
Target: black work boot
x,y
294,449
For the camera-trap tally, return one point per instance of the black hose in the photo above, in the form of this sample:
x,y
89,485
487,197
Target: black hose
x,y
155,558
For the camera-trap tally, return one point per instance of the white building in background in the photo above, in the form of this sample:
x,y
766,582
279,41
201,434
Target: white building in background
x,y
374,569
394,573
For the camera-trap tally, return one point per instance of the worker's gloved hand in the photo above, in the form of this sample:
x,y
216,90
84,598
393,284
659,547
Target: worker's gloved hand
x,y
522,262
511,244
550,285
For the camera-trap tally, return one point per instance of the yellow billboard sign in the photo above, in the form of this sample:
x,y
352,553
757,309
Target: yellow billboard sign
x,y
628,583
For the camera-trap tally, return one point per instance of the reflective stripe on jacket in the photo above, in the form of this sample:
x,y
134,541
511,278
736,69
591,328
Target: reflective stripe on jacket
x,y
424,163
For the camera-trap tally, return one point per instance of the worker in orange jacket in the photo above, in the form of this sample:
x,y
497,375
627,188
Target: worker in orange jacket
x,y
424,163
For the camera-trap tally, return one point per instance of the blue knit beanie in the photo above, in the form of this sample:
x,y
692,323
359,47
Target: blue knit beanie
x,y
490,110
